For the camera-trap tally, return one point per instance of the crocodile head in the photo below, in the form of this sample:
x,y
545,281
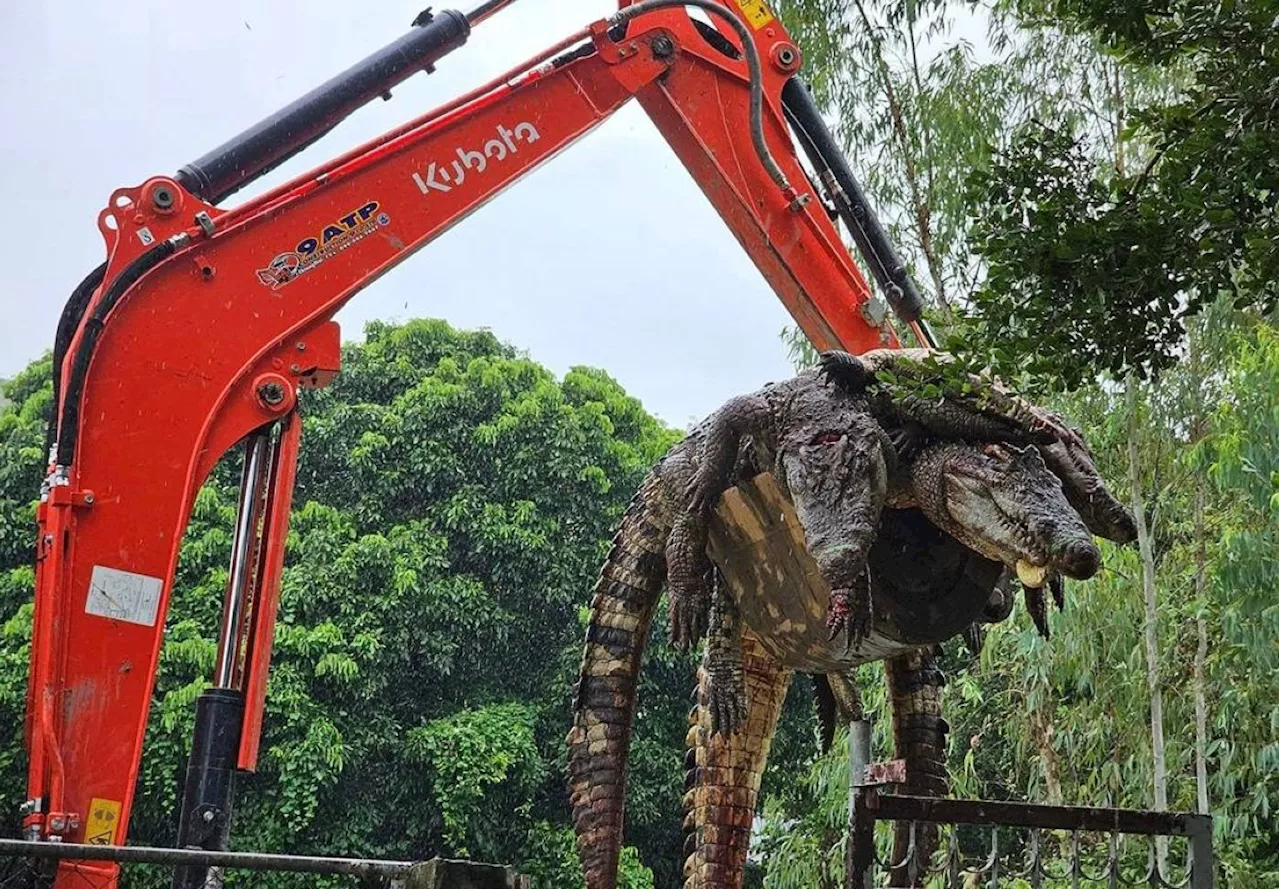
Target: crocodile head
x,y
835,465
1071,462
1004,502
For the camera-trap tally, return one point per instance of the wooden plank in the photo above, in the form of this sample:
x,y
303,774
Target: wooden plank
x,y
759,547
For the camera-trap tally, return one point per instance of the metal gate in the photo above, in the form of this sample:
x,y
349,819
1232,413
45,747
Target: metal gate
x,y
1091,850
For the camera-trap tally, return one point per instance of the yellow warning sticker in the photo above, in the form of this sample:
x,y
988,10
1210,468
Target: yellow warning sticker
x,y
104,819
756,12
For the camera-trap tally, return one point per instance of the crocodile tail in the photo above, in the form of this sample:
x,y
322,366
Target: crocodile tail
x,y
920,738
723,772
605,696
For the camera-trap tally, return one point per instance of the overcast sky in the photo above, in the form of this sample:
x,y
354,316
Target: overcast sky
x,y
607,256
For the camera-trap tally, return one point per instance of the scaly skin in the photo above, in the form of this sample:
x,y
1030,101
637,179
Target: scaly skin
x,y
721,788
836,494
834,459
920,738
1005,503
914,680
814,438
990,414
605,697
998,500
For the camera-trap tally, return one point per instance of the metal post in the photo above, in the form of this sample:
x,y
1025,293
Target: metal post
x,y
860,854
1200,837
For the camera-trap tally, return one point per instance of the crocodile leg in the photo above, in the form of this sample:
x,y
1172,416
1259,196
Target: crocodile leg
x,y
688,569
838,703
605,698
726,684
920,738
725,780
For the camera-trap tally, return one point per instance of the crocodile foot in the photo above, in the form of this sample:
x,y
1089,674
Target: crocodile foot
x,y
974,637
1056,588
843,370
1037,608
907,439
727,701
688,614
849,612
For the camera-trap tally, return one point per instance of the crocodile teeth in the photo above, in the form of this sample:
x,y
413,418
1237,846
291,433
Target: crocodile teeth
x,y
1031,575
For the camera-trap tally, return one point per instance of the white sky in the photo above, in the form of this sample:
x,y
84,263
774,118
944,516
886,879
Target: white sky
x,y
607,256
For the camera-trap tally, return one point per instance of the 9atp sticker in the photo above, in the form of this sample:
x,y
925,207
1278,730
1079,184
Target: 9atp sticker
x,y
104,820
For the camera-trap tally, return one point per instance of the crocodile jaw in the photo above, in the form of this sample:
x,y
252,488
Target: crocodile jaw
x,y
1031,575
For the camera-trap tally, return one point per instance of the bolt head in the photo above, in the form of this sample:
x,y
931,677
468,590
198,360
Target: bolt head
x,y
207,816
162,197
271,393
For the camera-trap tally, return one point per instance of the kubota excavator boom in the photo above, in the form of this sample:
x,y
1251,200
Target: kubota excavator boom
x,y
197,332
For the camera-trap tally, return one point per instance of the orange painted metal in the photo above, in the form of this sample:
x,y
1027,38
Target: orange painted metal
x,y
175,378
266,600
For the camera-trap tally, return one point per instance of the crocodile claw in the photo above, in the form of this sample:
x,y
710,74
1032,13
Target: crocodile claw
x,y
688,619
843,370
973,636
849,612
727,701
906,440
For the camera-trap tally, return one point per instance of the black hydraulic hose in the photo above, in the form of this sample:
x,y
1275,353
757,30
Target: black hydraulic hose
x,y
69,427
69,321
755,75
873,242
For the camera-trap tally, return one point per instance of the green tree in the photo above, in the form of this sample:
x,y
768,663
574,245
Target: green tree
x,y
454,503
1096,259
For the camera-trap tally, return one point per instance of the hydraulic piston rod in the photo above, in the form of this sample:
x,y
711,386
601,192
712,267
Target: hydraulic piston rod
x,y
243,547
275,139
873,242
204,821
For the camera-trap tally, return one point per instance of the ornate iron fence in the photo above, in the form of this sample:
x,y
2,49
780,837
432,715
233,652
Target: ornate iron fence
x,y
983,844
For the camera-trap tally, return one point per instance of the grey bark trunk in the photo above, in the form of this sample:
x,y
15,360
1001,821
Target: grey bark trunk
x,y
1202,651
1149,627
1202,632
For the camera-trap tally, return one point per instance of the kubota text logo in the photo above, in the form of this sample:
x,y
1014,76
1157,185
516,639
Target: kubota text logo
x,y
332,240
448,175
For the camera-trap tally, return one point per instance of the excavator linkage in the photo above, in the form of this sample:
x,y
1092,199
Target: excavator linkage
x,y
204,322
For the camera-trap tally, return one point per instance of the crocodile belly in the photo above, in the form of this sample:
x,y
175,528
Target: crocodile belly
x,y
926,587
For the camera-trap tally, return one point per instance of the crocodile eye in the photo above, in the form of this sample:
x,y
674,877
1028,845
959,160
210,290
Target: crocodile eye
x,y
827,438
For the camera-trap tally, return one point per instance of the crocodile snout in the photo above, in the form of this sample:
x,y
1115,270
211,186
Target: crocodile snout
x,y
1080,559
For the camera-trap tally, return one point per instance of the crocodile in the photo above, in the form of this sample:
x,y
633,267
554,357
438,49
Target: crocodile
x,y
970,395
631,581
832,438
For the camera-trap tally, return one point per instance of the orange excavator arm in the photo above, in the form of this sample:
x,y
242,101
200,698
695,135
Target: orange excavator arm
x,y
198,331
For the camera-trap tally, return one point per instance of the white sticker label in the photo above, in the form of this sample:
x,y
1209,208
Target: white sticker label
x,y
145,236
123,595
